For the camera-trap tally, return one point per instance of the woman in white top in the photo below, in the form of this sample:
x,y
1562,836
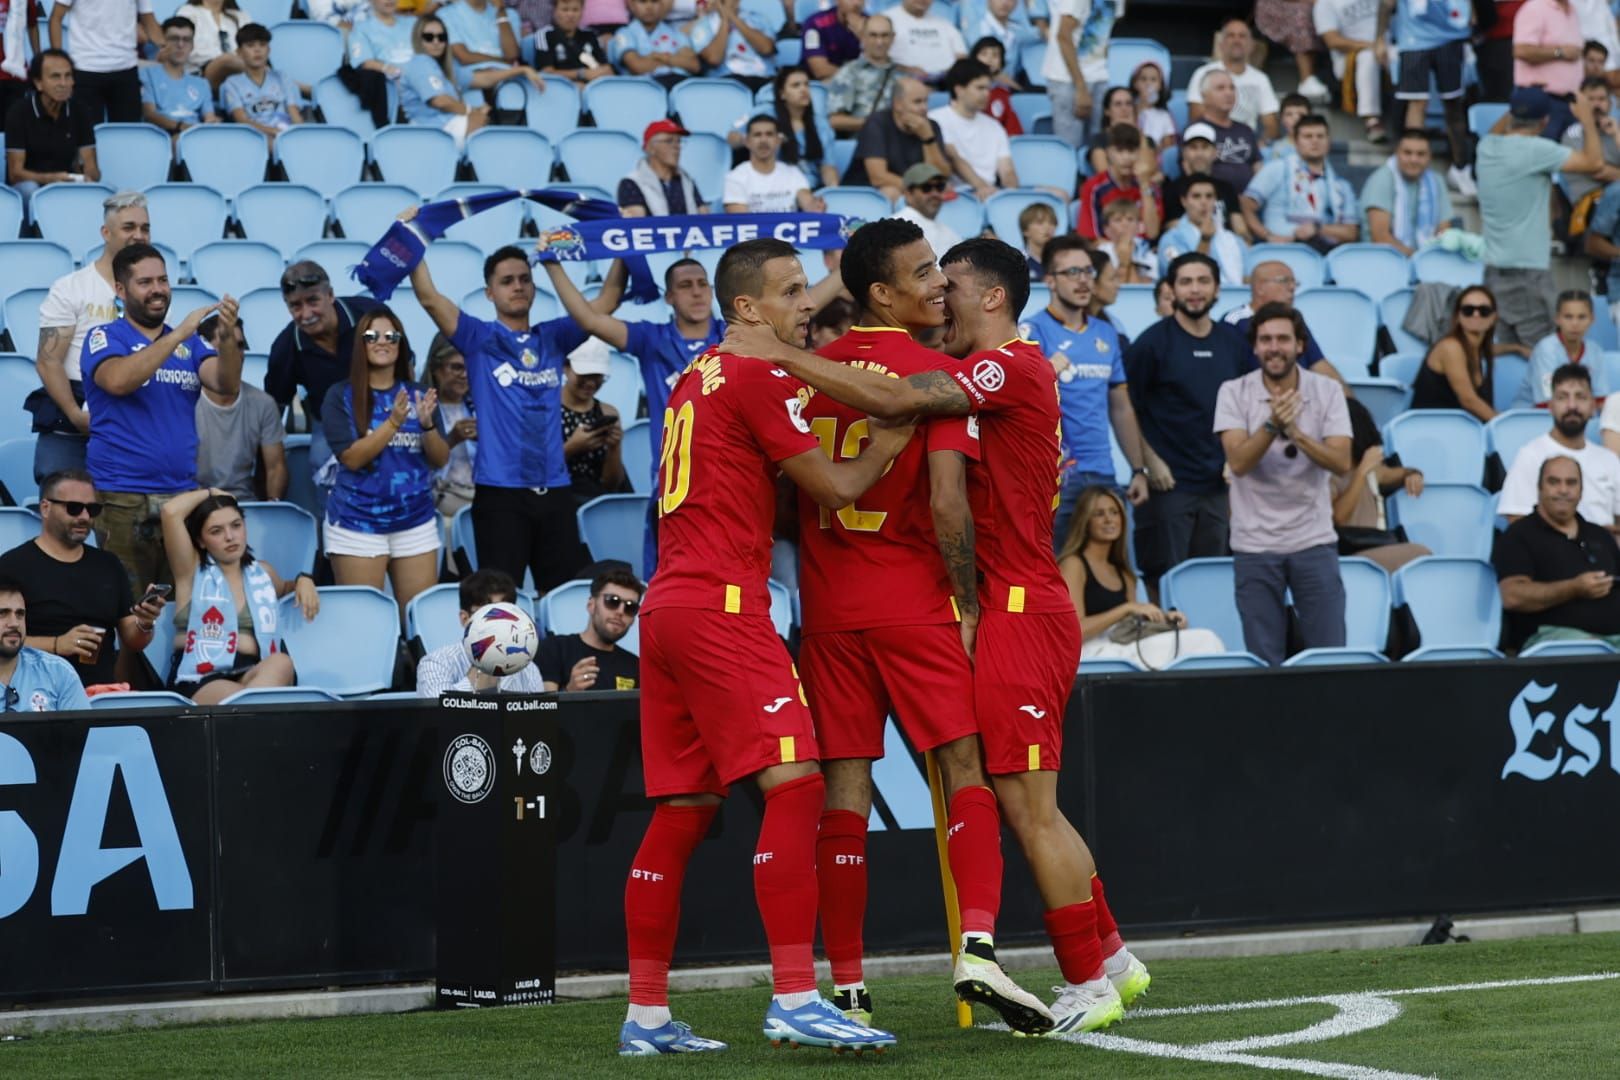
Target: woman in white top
x,y
217,23
1152,101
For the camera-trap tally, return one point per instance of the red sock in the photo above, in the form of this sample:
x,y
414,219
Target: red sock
x,y
974,843
1107,929
1073,931
785,880
652,896
841,881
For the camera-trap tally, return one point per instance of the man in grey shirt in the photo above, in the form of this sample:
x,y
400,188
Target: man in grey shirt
x,y
1284,431
233,431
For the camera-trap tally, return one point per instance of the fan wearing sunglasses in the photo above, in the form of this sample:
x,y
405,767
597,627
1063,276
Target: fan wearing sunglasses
x,y
593,659
1457,372
34,681
380,519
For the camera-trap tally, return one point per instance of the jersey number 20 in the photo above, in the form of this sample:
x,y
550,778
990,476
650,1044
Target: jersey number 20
x,y
675,459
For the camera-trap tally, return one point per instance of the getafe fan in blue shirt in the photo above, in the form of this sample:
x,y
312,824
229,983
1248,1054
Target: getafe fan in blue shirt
x,y
141,384
1091,380
522,517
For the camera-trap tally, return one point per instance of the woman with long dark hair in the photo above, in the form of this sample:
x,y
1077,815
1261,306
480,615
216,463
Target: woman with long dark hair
x,y
1457,372
811,145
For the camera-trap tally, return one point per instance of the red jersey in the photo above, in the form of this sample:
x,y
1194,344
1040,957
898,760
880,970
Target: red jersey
x,y
729,420
877,563
1014,490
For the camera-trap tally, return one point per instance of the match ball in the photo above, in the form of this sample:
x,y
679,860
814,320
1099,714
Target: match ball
x,y
500,639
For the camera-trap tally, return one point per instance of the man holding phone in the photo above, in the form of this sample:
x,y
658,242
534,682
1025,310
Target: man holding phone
x,y
592,430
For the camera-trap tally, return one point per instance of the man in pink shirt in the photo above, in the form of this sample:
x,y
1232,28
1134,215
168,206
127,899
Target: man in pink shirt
x,y
1547,43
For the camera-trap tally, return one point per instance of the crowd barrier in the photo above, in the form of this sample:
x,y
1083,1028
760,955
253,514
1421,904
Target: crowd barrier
x,y
254,847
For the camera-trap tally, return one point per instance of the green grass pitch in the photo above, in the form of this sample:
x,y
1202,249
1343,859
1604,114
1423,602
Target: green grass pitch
x,y
1562,1029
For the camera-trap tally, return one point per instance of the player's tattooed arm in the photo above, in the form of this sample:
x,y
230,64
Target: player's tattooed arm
x,y
953,526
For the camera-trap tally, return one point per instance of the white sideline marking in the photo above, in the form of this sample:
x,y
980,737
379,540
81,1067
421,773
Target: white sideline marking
x,y
1353,1013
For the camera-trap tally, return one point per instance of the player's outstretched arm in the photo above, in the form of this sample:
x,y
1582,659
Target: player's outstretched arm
x,y
837,484
953,526
928,393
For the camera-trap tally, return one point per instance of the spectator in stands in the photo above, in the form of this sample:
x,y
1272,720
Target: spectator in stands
x,y
658,186
142,380
1164,298
380,522
1286,432
1567,345
428,92
384,41
446,668
313,352
1125,246
565,50
77,303
810,146
1358,496
106,86
1289,24
339,13
14,84
865,85
1198,157
1602,241
226,611
1405,204
1119,107
896,139
79,593
764,184
1152,94
1237,148
925,42
1583,190
1120,182
1456,374
1256,105
737,38
607,17
1349,29
650,46
1006,25
171,97
1096,565
458,423
1074,74
592,659
1295,107
1037,224
1571,408
999,107
51,138
1175,370
980,153
1086,354
1302,197
240,435
831,322
1547,44
1515,171
260,96
1555,569
522,515
34,681
925,193
1430,39
1200,229
832,37
592,429
1594,59
480,35
1273,282
1103,295
216,24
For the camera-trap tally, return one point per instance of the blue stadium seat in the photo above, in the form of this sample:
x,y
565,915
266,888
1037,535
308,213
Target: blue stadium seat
x,y
1169,162
365,211
1125,55
1375,269
1031,109
1603,333
1044,161
512,157
420,158
1482,117
1385,398
1448,519
1367,592
1402,367
268,12
1345,325
184,299
343,110
964,214
433,617
1030,60
325,157
463,545
1215,661
636,453
555,113
32,264
71,215
1589,647
187,216
255,365
1454,601
307,51
1508,372
1310,269
1203,590
1391,312
415,321
133,157
22,320
335,257
1448,267
283,535
225,157
491,229
1039,297
843,152
236,266
864,203
1111,665
1506,433
622,388
626,103
281,695
1135,308
11,212
1231,298
562,610
263,315
1448,445
599,158
1611,367
17,468
350,647
141,699
613,526
17,526
1329,656
712,106
1442,653
790,52
300,487
781,607
1001,210
18,379
457,267
708,158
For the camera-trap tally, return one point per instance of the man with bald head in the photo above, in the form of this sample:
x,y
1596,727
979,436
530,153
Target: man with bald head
x,y
1273,282
894,140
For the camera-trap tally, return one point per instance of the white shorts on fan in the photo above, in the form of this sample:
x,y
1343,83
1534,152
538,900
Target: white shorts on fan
x,y
418,540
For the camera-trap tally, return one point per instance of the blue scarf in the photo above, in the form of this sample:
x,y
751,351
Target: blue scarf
x,y
211,643
1303,201
1414,229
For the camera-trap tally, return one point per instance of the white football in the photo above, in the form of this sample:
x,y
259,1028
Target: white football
x,y
500,639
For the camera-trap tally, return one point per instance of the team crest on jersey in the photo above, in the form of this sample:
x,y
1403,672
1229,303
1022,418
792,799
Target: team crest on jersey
x,y
528,359
39,702
989,376
182,352
1100,345
98,339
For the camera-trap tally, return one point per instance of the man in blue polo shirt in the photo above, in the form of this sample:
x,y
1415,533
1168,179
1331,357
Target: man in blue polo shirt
x,y
523,518
141,384
1091,381
33,681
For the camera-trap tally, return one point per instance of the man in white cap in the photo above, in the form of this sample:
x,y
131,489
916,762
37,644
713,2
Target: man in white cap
x,y
592,433
925,193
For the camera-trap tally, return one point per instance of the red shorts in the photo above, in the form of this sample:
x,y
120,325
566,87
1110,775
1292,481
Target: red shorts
x,y
720,700
857,677
1023,669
